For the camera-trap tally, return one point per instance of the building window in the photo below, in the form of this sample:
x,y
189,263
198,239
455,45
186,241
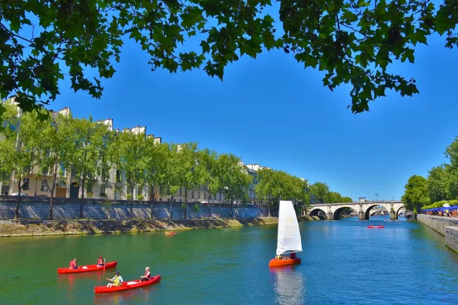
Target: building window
x,y
192,194
214,197
181,191
198,195
25,184
44,187
118,175
205,195
103,190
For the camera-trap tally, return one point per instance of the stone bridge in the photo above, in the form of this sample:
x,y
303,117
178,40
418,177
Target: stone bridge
x,y
364,209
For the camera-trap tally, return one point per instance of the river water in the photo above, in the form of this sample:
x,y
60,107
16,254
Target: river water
x,y
343,263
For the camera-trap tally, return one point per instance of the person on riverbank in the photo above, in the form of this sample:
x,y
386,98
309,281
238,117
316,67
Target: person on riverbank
x,y
73,264
117,280
100,261
147,275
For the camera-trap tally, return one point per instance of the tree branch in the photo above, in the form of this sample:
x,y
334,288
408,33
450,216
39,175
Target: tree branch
x,y
15,35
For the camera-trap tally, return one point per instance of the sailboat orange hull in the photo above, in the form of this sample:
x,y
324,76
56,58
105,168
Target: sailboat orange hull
x,y
275,262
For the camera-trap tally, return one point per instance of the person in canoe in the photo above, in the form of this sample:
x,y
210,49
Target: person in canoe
x,y
292,255
100,261
73,264
117,280
147,275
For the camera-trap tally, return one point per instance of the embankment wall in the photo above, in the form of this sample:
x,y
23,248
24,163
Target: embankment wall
x,y
445,226
120,210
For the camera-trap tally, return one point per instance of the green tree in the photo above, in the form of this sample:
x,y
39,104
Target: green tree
x,y
89,143
451,152
352,41
237,185
347,199
302,194
190,170
129,150
230,179
17,146
335,197
439,183
416,193
320,192
169,177
274,186
54,146
156,166
208,161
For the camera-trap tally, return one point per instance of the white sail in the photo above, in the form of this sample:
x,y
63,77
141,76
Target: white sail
x,y
289,237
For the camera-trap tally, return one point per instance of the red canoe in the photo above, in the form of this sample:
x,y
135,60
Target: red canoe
x,y
275,262
86,268
375,227
127,285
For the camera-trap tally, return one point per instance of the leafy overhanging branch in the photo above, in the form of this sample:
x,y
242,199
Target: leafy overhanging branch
x,y
352,41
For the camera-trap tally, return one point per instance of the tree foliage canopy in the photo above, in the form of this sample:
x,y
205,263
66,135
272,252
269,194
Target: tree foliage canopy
x,y
440,186
416,193
353,41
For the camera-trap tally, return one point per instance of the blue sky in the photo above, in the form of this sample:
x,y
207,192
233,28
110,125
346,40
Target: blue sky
x,y
272,112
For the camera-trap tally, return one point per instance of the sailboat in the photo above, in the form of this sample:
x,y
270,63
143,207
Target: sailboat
x,y
288,236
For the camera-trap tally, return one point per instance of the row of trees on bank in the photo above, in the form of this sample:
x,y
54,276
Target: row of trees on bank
x,y
440,185
275,185
53,147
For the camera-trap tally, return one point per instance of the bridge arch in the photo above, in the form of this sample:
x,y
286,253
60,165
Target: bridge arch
x,y
338,211
367,213
318,212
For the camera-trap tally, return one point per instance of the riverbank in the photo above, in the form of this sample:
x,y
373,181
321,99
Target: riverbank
x,y
448,227
81,227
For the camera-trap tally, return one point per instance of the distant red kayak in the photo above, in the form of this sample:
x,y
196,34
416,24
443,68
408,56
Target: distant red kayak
x,y
127,285
87,268
375,227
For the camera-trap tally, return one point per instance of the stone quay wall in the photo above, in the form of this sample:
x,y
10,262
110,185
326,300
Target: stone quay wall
x,y
67,208
445,226
451,237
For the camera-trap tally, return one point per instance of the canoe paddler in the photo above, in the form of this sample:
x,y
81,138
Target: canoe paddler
x,y
73,264
147,275
100,261
117,280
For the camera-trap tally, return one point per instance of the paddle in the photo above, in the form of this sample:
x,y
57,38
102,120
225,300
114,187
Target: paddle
x,y
104,264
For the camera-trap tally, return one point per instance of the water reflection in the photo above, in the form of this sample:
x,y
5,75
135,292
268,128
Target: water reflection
x,y
289,285
71,280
